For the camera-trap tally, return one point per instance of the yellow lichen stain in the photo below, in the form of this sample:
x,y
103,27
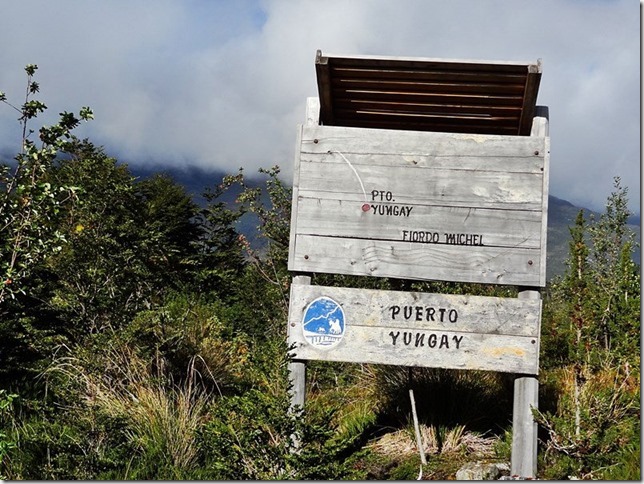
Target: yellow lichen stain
x,y
498,352
478,138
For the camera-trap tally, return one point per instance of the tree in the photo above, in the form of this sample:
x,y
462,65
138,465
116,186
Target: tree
x,y
616,299
591,344
28,201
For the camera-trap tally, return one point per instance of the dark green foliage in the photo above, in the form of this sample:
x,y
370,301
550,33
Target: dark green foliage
x,y
253,436
168,217
145,338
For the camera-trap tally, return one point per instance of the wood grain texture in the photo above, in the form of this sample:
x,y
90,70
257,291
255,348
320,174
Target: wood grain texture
x,y
420,205
426,330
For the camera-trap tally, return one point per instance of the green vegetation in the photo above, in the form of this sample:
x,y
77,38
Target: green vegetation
x,y
142,337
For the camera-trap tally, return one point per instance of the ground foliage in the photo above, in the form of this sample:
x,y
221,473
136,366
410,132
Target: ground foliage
x,y
142,337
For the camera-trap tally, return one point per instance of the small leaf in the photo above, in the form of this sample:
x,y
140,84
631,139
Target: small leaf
x,y
86,113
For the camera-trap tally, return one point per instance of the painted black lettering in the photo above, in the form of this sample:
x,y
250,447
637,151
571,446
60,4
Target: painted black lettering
x,y
442,314
394,337
407,338
420,339
457,340
407,311
419,313
444,342
431,340
394,311
452,315
430,313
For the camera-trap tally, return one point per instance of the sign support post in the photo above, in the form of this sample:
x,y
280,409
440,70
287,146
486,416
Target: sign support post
x,y
297,368
524,427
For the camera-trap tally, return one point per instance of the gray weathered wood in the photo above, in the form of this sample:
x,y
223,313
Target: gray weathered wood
x,y
312,111
427,330
365,200
541,128
524,427
297,368
494,265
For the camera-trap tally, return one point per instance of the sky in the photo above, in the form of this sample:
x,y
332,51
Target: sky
x,y
222,84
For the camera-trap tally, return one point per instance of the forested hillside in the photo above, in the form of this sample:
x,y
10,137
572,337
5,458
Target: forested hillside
x,y
143,337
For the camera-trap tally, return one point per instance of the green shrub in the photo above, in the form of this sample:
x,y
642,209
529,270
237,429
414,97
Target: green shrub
x,y
253,436
595,425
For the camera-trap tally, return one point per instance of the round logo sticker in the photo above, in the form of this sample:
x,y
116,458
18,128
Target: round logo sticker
x,y
323,323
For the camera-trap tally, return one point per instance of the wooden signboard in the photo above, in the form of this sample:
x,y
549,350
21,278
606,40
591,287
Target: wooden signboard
x,y
425,170
420,205
414,329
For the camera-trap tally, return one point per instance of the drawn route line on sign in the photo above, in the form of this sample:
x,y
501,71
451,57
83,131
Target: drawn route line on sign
x,y
364,192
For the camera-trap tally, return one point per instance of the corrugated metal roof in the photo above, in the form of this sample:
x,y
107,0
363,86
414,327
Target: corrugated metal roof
x,y
428,94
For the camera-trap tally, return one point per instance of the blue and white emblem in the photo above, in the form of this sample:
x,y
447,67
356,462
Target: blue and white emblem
x,y
323,323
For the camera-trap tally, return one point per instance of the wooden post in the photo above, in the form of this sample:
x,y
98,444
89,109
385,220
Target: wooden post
x,y
524,427
297,368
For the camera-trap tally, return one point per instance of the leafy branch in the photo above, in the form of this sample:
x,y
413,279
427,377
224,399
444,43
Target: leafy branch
x,y
28,200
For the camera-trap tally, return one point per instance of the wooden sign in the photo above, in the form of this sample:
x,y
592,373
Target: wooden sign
x,y
414,329
420,205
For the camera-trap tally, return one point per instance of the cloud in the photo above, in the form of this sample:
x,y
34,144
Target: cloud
x,y
224,84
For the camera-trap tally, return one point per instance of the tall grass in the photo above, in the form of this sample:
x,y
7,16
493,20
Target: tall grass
x,y
161,417
444,398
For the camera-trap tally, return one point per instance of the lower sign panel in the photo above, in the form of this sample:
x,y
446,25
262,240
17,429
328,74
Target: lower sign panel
x,y
414,329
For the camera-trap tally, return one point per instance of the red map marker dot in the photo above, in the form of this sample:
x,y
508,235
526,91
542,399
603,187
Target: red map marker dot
x,y
366,207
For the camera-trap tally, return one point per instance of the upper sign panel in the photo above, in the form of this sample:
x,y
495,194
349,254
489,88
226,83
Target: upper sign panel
x,y
420,205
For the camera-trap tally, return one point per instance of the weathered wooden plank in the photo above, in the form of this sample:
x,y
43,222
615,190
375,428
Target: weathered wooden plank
x,y
312,112
347,218
529,97
415,329
405,85
384,62
541,128
368,104
454,164
296,182
344,176
400,123
415,143
436,121
485,100
404,260
436,75
324,88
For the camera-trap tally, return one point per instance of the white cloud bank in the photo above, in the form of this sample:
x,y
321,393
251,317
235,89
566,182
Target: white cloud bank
x,y
223,84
